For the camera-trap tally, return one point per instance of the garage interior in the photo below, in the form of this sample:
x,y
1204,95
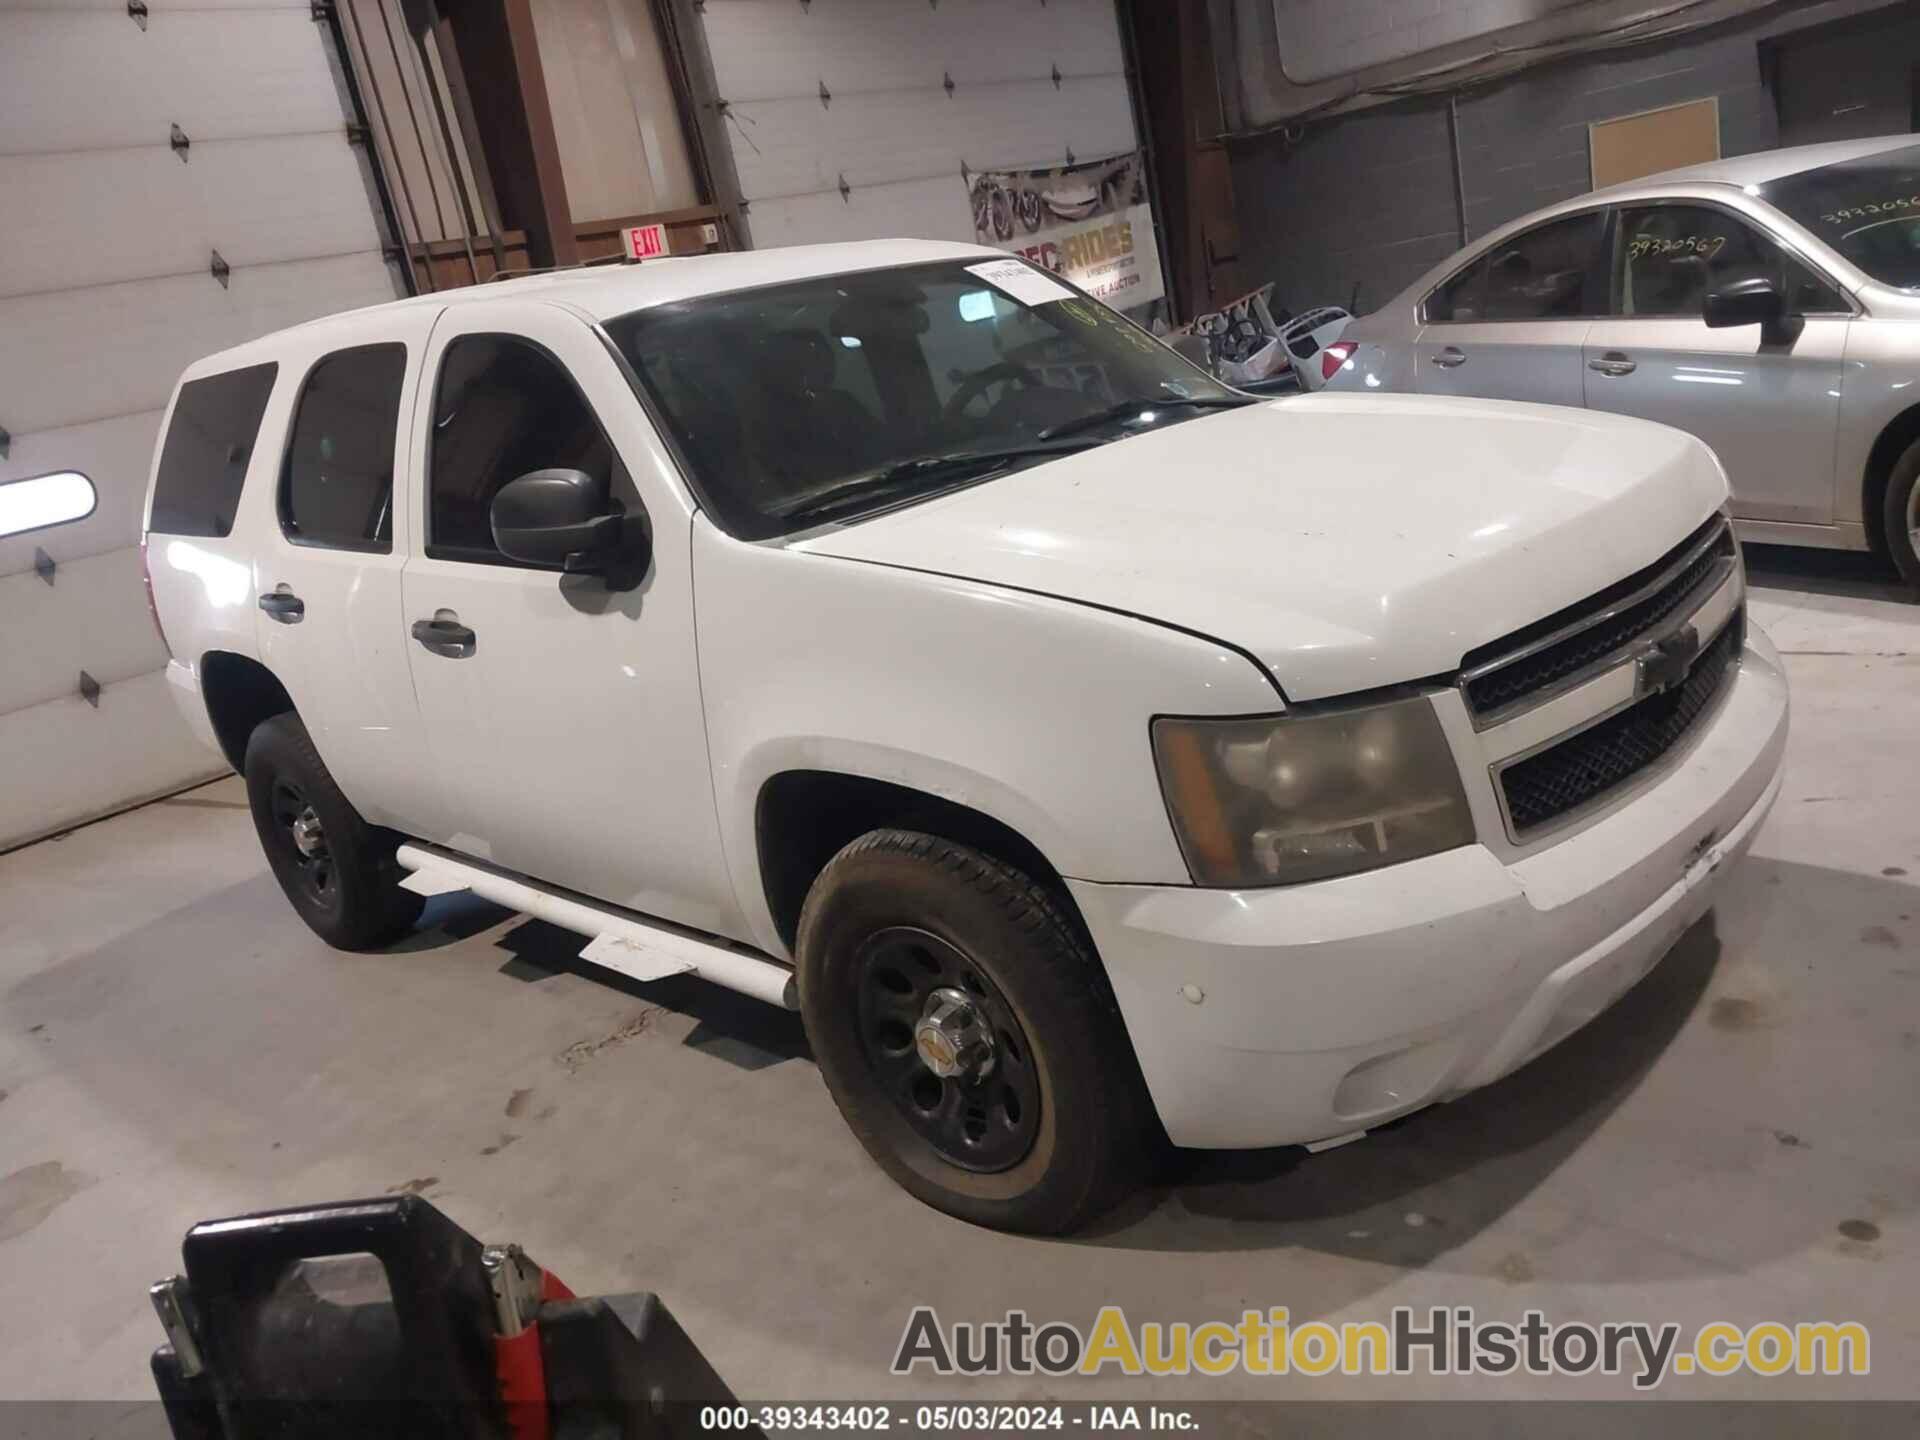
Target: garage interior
x,y
1739,1137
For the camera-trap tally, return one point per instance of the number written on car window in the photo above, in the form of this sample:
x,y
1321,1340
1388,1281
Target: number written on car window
x,y
1705,246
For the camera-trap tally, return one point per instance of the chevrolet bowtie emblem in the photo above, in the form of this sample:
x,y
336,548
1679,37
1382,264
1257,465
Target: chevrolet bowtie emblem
x,y
1665,662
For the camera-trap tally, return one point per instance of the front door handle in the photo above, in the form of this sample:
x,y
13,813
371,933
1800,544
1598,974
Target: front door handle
x,y
1448,358
284,606
1612,363
445,635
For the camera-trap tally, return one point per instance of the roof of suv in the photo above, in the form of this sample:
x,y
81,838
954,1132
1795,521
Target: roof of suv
x,y
604,291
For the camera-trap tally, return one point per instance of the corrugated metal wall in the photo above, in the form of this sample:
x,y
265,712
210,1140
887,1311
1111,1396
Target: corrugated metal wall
x,y
106,294
1368,198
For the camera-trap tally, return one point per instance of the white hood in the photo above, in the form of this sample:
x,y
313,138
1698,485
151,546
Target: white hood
x,y
1346,541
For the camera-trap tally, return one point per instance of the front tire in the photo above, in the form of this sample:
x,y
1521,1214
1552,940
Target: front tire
x,y
337,870
1900,514
967,1035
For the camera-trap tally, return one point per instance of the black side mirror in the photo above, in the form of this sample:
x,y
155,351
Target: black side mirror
x,y
565,518
1746,302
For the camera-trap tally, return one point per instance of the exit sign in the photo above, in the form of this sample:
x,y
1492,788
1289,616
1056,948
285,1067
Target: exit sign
x,y
646,242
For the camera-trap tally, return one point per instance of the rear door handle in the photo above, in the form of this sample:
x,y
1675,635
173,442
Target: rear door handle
x,y
1448,358
445,635
1612,363
284,606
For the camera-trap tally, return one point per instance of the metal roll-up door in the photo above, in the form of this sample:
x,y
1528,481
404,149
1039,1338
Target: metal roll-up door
x,y
136,143
842,125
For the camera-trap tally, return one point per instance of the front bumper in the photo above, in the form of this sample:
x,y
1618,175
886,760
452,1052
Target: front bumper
x,y
1284,1016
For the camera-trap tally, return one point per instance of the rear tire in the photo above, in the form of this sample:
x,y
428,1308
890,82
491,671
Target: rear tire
x,y
1042,1126
1900,514
337,870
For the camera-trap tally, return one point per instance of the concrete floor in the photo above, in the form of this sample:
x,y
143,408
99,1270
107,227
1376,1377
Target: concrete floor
x,y
174,1045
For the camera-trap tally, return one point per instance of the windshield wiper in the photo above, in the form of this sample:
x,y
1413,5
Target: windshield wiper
x,y
908,478
1126,409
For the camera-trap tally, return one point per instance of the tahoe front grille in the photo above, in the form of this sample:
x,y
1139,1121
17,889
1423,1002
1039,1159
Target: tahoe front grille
x,y
1526,666
1590,762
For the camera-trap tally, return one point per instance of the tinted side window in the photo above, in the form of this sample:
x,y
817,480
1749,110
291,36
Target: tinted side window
x,y
337,485
204,461
1459,300
1552,272
503,407
1667,258
1811,294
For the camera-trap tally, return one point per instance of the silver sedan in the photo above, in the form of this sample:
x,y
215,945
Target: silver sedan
x,y
1770,304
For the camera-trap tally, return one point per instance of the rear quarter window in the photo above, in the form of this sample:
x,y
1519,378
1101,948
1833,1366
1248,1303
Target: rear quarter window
x,y
203,463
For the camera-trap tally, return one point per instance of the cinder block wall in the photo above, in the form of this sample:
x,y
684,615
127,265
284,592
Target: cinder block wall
x,y
1368,198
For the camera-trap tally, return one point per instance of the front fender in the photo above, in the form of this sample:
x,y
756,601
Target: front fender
x,y
1032,710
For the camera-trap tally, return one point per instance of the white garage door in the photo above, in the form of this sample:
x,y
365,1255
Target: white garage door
x,y
106,294
1032,82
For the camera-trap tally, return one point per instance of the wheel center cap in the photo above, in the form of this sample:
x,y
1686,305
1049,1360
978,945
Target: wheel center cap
x,y
308,837
952,1039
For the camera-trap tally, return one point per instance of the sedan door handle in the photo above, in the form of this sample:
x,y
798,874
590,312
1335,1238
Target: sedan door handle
x,y
1448,358
1612,363
284,606
445,635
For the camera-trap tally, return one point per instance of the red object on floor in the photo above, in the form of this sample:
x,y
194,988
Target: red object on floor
x,y
522,1372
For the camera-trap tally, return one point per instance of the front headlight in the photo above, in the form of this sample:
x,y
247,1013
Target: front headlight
x,y
1277,799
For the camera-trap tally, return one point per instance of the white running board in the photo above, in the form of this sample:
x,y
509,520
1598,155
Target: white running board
x,y
433,880
640,949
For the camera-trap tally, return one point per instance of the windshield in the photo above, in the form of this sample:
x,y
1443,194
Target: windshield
x,y
840,396
1867,209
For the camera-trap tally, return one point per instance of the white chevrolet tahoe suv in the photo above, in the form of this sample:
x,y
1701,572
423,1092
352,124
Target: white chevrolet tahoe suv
x,y
1088,751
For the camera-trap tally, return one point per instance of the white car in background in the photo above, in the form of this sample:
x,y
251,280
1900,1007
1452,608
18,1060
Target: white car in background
x,y
1769,304
1313,341
892,632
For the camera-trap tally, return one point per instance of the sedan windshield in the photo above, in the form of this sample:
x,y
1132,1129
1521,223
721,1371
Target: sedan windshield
x,y
1867,209
842,396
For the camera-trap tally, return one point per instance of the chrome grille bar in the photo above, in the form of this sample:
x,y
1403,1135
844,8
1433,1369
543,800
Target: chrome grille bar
x,y
1675,584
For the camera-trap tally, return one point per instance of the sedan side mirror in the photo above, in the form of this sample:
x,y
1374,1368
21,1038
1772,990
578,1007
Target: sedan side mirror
x,y
565,518
1746,302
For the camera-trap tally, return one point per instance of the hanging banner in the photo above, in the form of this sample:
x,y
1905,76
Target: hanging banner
x,y
1089,222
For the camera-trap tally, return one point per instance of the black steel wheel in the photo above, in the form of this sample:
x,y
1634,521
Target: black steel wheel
x,y
948,1048
302,837
968,1034
336,869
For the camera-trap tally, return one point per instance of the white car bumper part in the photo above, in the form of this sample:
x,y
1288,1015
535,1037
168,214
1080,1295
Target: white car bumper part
x,y
1291,1015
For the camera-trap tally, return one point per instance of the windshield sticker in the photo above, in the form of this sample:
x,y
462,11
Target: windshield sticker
x,y
1683,247
1020,280
1861,212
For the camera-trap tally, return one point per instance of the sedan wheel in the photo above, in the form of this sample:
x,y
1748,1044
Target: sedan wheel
x,y
1900,514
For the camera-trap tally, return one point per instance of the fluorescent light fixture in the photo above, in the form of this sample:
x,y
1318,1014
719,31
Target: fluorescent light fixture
x,y
44,500
976,305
